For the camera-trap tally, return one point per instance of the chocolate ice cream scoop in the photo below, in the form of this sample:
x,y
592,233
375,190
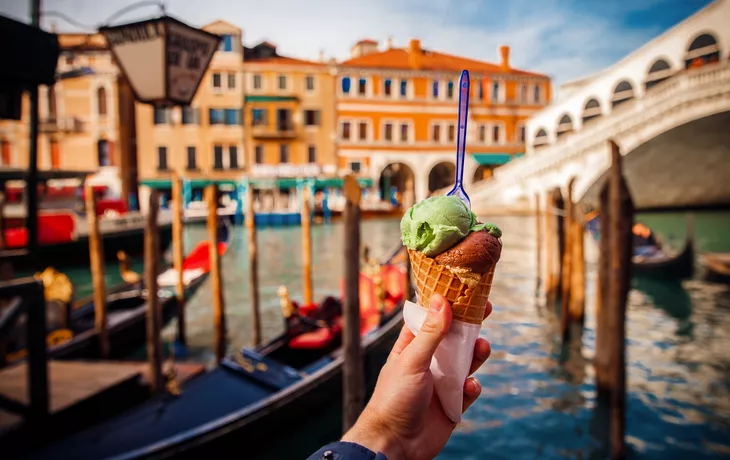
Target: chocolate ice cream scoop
x,y
478,252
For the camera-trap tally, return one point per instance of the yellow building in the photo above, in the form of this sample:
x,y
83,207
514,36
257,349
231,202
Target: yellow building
x,y
397,115
79,115
205,140
289,115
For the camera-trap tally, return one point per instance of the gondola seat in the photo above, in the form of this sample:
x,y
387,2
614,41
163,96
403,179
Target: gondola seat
x,y
316,340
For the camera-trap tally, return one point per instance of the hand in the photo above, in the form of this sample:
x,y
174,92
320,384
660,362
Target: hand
x,y
404,418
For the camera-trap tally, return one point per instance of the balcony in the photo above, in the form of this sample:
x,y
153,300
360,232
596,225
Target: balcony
x,y
285,131
285,170
69,125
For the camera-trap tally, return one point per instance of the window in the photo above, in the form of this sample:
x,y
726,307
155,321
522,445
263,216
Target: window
x,y
388,88
191,158
101,101
52,102
436,133
345,130
218,157
536,93
216,116
233,157
345,85
161,158
482,133
521,134
283,153
259,117
257,81
5,153
452,132
231,80
404,132
435,89
523,92
190,116
282,81
283,120
362,130
216,80
259,153
495,134
226,42
362,87
388,132
450,90
103,153
311,118
312,154
160,115
309,83
495,91
355,166
233,116
403,88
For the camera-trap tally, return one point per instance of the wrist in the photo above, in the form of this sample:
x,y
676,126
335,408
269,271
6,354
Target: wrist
x,y
377,440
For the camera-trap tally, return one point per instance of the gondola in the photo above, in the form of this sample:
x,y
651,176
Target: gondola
x,y
289,388
126,309
717,267
653,260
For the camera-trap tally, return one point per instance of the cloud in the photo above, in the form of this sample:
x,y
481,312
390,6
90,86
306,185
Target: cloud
x,y
565,39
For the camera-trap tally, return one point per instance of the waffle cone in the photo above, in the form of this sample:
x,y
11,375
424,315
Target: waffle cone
x,y
467,292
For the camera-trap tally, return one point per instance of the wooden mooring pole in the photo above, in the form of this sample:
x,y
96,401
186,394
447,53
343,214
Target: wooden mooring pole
x,y
96,261
250,222
219,314
2,219
354,380
554,245
154,315
306,247
178,252
576,308
538,246
566,263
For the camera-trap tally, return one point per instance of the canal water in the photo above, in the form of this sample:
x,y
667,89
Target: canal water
x,y
535,402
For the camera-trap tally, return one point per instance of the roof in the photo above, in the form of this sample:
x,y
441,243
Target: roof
x,y
283,60
397,58
82,42
369,41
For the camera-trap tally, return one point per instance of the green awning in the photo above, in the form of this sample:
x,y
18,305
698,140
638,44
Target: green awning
x,y
493,158
282,182
270,98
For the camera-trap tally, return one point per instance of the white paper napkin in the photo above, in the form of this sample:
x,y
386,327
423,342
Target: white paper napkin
x,y
450,364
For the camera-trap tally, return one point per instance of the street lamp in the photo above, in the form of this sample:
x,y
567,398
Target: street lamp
x,y
163,59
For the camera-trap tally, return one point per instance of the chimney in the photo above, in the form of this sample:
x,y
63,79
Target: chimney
x,y
504,52
389,43
321,55
414,53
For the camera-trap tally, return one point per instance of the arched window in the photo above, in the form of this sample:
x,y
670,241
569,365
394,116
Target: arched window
x,y
658,72
565,125
103,152
541,138
101,101
623,92
703,50
591,110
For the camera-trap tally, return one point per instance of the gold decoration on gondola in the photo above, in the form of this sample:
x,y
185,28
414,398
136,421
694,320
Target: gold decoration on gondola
x,y
287,306
56,285
127,274
245,363
172,384
54,338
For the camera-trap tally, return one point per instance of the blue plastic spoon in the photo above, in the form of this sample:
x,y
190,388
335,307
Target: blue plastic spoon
x,y
458,189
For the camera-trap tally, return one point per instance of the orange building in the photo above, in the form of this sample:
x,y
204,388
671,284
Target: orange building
x,y
397,113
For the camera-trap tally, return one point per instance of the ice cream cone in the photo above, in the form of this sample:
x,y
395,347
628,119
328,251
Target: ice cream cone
x,y
467,292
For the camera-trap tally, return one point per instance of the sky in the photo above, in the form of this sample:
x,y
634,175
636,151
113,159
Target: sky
x,y
566,39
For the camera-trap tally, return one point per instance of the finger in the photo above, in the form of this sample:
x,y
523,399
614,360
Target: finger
x,y
482,350
405,337
417,356
488,310
472,390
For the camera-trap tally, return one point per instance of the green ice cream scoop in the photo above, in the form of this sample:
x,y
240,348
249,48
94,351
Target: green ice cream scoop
x,y
438,223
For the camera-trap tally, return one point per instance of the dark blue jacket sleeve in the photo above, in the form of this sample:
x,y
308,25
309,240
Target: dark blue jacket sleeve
x,y
345,451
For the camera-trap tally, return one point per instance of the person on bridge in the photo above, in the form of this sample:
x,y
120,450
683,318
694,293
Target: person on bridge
x,y
404,418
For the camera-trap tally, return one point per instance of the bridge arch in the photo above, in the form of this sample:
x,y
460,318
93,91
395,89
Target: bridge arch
x,y
659,71
565,125
591,109
441,175
402,177
622,92
702,50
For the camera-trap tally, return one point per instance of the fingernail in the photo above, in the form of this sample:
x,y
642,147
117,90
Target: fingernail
x,y
436,304
473,385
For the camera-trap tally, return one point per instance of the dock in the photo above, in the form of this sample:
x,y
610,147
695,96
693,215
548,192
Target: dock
x,y
78,388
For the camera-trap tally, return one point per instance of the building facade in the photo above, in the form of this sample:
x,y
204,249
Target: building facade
x,y
397,115
78,116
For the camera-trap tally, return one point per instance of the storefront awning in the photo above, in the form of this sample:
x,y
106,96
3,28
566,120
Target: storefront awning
x,y
494,158
281,182
270,98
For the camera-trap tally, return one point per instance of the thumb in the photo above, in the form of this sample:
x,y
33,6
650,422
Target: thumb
x,y
417,356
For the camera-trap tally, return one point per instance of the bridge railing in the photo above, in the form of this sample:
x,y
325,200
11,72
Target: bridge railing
x,y
620,119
